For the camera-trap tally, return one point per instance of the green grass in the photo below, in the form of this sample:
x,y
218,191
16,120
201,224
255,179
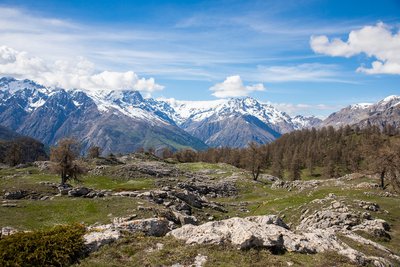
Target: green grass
x,y
139,250
115,184
201,166
65,210
257,197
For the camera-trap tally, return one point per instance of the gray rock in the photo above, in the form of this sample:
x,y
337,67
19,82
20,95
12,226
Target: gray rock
x,y
152,226
184,219
266,232
190,198
15,194
78,192
98,238
6,231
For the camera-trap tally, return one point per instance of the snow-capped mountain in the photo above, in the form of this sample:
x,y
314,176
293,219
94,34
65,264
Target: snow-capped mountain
x,y
384,112
235,122
303,122
122,121
117,121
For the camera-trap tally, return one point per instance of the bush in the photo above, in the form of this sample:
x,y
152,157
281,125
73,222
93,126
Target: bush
x,y
60,246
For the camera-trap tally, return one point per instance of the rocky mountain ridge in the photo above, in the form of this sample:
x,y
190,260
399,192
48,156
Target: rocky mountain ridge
x,y
122,121
382,113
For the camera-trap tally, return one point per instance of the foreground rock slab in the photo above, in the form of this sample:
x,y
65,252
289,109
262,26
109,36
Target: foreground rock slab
x,y
272,233
100,235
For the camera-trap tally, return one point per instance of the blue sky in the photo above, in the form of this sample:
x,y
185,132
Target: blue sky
x,y
281,52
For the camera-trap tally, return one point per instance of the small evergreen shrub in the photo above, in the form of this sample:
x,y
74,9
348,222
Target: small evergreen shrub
x,y
60,246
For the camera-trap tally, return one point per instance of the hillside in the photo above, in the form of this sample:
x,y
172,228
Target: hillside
x,y
346,220
385,112
16,149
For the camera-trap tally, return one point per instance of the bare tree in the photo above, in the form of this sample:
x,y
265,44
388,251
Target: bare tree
x,y
64,155
253,160
386,162
14,154
94,152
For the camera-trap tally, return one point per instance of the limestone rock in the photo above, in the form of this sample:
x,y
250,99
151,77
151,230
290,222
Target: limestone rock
x,y
5,231
95,239
272,233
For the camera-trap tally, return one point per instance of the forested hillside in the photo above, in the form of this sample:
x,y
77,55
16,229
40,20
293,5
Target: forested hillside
x,y
326,152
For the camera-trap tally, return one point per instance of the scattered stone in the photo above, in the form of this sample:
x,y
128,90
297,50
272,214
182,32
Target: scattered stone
x,y
64,189
9,205
43,165
6,231
45,198
295,185
15,194
200,260
118,220
366,185
126,194
368,205
78,192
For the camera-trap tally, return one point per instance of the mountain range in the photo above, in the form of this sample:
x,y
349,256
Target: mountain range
x,y
123,121
383,113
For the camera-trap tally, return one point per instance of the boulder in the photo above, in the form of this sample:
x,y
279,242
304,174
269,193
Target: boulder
x,y
97,238
240,232
15,194
151,226
190,198
5,231
270,232
64,189
79,192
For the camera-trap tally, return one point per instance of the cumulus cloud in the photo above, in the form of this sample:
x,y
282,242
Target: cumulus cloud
x,y
79,74
233,86
378,42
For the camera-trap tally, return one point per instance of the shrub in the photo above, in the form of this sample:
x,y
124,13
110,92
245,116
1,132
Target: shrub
x,y
60,246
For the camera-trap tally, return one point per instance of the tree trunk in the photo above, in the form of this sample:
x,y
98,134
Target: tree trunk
x,y
383,179
63,177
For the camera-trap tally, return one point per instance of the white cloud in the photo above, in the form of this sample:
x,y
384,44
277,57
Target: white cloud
x,y
306,109
233,86
67,74
295,73
377,42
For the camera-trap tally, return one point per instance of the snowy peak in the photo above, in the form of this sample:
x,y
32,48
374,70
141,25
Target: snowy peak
x,y
13,85
361,106
302,122
220,109
363,114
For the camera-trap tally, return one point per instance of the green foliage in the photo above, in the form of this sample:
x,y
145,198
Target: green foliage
x,y
60,246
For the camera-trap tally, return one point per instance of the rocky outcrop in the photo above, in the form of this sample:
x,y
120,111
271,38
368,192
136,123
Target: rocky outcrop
x,y
100,235
272,233
210,188
138,170
295,185
339,217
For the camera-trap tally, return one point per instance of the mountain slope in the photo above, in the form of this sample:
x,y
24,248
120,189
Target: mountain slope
x,y
235,122
383,113
117,121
